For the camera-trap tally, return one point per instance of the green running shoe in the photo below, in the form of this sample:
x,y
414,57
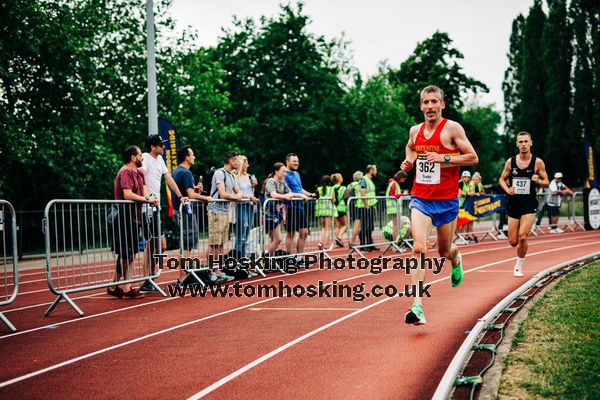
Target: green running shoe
x,y
457,275
415,315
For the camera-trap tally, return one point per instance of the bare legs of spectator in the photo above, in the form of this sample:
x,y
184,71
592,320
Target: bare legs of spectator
x,y
325,232
341,225
289,241
355,230
275,236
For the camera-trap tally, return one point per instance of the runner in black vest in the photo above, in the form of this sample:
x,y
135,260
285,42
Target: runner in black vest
x,y
520,176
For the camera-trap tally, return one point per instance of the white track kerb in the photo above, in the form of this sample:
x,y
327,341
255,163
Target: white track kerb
x,y
446,384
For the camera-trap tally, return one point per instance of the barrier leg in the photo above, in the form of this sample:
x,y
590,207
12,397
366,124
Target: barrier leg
x,y
68,300
158,289
7,323
191,279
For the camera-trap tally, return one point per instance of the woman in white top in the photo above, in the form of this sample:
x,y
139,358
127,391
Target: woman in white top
x,y
244,209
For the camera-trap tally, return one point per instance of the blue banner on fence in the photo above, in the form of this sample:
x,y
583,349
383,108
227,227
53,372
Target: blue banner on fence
x,y
592,180
169,135
479,206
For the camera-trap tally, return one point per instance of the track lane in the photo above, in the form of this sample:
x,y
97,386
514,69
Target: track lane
x,y
295,301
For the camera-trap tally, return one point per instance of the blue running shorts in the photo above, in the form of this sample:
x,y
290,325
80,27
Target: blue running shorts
x,y
440,211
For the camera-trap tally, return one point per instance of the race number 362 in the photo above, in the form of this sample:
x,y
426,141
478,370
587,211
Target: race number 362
x,y
427,173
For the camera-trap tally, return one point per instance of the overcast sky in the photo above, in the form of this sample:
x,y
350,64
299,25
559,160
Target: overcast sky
x,y
381,30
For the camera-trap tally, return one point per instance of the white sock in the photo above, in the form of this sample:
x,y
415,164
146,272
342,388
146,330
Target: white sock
x,y
519,263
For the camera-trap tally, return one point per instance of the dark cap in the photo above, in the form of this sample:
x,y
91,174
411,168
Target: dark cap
x,y
154,140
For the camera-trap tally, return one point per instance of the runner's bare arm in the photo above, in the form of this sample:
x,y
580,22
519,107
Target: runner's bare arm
x,y
504,177
411,154
468,155
540,177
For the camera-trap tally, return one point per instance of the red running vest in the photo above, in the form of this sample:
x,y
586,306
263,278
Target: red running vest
x,y
428,188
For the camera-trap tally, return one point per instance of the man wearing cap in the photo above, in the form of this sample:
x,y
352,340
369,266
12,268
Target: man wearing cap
x,y
554,200
154,168
519,178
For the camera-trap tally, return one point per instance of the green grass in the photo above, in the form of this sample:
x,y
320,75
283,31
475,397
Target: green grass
x,y
556,352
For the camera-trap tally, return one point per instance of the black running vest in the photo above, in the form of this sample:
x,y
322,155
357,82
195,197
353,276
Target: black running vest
x,y
523,177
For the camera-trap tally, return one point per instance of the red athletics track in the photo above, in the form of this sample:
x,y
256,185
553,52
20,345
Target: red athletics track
x,y
263,348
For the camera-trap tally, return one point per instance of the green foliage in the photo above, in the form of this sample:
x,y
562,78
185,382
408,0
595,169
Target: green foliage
x,y
73,95
557,56
481,125
435,62
534,109
286,92
511,86
552,82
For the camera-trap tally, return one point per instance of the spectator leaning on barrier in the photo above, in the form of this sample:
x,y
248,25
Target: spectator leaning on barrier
x,y
341,222
245,209
325,209
367,207
393,190
277,189
297,220
129,185
554,200
185,183
352,209
154,168
223,187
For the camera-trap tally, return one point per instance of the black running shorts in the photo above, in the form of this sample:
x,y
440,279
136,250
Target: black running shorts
x,y
517,207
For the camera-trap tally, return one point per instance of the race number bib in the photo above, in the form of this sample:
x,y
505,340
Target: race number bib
x,y
522,185
427,173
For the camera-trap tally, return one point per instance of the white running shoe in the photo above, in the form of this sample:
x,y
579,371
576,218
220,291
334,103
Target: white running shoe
x,y
517,273
558,230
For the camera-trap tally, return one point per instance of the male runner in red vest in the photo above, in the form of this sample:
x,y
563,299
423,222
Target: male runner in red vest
x,y
520,176
439,147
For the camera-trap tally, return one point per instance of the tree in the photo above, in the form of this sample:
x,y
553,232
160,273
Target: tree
x,y
384,125
435,62
482,124
534,109
557,57
285,89
511,86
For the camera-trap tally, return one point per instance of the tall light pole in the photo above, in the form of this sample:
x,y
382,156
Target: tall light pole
x,y
151,68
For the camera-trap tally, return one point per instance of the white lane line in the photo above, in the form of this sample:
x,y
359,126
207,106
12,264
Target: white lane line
x,y
76,319
176,327
163,300
301,309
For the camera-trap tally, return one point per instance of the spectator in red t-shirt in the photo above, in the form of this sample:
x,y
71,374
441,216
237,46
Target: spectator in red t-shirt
x,y
129,185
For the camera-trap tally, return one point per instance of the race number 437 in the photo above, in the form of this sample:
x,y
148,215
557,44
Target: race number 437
x,y
522,185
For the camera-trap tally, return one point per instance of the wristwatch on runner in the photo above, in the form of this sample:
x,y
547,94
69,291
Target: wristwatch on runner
x,y
446,159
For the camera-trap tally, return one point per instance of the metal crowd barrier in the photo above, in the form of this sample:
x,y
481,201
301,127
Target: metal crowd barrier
x,y
566,217
577,212
482,228
8,235
294,229
93,244
223,229
367,223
